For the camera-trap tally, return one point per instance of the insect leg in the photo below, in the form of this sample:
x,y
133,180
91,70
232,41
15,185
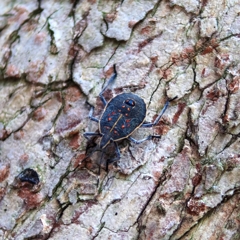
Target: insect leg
x,y
88,134
109,161
110,81
144,139
90,115
160,114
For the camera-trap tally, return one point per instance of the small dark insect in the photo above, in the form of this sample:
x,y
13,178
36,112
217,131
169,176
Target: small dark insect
x,y
29,175
122,115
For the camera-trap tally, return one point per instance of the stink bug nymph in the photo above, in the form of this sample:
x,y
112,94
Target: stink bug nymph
x,y
121,116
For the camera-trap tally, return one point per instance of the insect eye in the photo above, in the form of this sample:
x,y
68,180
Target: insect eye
x,y
130,102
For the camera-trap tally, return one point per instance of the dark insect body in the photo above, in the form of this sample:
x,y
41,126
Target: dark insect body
x,y
122,115
29,175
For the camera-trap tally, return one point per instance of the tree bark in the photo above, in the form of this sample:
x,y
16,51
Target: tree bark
x,y
55,59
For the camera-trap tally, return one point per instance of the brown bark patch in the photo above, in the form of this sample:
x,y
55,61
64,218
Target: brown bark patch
x,y
39,114
12,71
74,141
40,37
233,86
18,135
4,172
72,94
181,107
3,134
78,160
31,199
146,30
195,207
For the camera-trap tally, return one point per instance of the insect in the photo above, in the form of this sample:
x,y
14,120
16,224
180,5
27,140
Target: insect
x,y
122,115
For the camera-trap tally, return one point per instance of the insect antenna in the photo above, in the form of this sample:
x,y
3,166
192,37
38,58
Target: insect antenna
x,y
111,80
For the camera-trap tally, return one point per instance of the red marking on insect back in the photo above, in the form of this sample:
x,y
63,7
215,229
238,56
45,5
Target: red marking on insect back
x,y
123,106
113,113
109,119
115,132
126,114
107,127
128,120
128,109
123,126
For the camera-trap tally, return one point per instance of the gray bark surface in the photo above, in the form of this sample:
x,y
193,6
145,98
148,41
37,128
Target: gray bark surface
x,y
56,56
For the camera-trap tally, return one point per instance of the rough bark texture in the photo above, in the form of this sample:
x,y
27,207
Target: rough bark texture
x,y
56,55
